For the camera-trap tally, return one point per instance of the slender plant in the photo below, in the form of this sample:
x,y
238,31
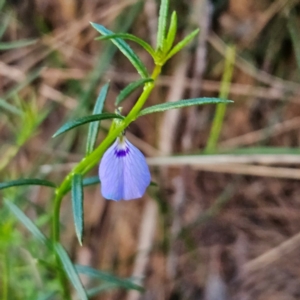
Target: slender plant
x,y
123,171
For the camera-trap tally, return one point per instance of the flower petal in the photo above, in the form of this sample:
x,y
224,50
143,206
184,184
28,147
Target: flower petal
x,y
111,174
136,173
123,172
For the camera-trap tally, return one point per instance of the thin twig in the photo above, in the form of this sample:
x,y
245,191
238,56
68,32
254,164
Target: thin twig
x,y
273,255
261,134
262,171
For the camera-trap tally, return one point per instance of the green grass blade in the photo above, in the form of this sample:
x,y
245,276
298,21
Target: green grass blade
x,y
27,222
131,88
70,271
182,44
94,126
125,49
10,108
131,37
16,44
14,90
101,288
162,24
293,27
26,181
18,87
221,108
75,123
77,205
93,273
181,104
5,24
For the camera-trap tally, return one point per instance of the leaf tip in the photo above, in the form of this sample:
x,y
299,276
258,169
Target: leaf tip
x,y
95,25
55,134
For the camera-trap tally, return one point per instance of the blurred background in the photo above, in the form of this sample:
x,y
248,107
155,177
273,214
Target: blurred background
x,y
219,228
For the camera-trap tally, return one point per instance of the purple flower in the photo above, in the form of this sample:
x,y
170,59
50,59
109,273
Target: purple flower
x,y
123,171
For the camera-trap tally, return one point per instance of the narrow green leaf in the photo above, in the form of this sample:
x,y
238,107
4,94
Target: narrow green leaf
x,y
5,23
171,34
93,273
10,108
130,88
101,288
131,37
72,124
27,222
77,205
70,271
14,90
26,181
180,104
162,24
16,44
125,49
90,181
94,127
182,44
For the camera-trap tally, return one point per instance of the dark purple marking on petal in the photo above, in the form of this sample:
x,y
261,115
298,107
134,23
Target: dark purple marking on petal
x,y
121,152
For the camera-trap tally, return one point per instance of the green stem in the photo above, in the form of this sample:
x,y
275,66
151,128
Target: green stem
x,y
221,108
64,283
88,162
